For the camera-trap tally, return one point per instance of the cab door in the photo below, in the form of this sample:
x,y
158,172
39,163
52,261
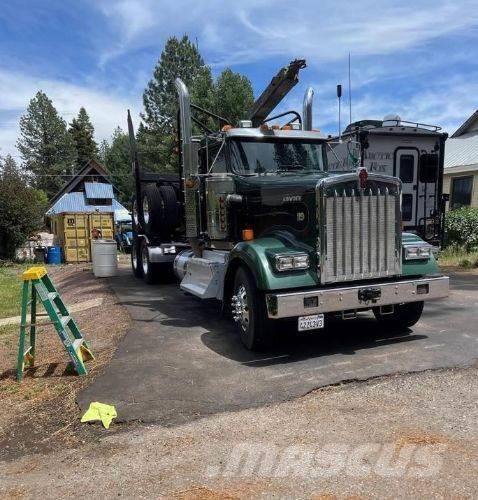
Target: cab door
x,y
406,168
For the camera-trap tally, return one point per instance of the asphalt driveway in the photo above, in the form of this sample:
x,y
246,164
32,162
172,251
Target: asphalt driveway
x,y
181,360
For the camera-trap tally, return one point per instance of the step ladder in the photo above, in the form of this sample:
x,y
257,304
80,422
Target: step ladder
x,y
38,285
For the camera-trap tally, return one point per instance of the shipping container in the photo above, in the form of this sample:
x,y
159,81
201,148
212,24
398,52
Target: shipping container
x,y
74,231
104,222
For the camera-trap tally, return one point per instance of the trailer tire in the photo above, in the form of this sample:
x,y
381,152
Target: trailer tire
x,y
403,316
249,311
135,259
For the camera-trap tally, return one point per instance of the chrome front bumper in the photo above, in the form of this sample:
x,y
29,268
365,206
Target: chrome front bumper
x,y
292,304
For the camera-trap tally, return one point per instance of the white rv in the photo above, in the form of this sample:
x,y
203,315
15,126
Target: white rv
x,y
414,152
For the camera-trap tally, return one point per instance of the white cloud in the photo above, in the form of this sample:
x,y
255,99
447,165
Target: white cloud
x,y
250,31
106,111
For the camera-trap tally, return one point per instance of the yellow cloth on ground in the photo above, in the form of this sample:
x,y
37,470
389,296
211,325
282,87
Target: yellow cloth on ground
x,y
100,411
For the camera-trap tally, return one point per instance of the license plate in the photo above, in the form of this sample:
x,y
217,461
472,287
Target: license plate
x,y
311,322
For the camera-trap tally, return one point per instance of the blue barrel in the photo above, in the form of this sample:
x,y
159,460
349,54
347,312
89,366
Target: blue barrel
x,y
54,255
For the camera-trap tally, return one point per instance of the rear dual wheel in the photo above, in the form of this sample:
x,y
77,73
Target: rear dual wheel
x,y
135,259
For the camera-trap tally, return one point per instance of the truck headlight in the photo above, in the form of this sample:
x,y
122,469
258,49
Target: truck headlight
x,y
292,261
417,252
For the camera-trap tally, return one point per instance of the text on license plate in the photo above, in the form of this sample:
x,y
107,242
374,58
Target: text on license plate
x,y
311,322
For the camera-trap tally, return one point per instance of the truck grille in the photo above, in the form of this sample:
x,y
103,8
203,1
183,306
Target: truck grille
x,y
360,232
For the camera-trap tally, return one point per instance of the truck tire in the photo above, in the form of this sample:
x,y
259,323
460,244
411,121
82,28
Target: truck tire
x,y
135,259
160,210
152,210
170,212
249,311
134,213
148,269
403,316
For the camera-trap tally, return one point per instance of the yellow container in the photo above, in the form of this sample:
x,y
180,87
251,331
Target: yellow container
x,y
74,232
104,223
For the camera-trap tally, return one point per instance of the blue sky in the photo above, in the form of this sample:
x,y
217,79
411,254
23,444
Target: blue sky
x,y
415,58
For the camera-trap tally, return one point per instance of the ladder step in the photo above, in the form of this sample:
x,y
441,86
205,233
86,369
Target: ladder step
x,y
27,351
77,343
65,320
52,295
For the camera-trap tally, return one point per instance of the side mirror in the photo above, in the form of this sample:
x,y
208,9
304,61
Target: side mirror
x,y
428,170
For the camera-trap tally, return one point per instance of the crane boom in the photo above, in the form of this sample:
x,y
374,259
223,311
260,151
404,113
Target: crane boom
x,y
280,86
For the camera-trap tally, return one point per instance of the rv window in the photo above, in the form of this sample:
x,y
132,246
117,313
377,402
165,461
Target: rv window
x,y
461,191
407,166
428,167
407,208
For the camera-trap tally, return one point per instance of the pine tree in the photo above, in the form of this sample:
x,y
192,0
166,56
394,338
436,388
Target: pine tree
x,y
21,214
103,150
82,133
46,147
156,153
180,58
118,163
233,96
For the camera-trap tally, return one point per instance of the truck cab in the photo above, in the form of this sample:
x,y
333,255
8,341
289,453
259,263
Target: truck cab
x,y
266,228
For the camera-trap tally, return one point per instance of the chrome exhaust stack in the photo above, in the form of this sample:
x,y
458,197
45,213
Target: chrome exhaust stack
x,y
185,126
307,109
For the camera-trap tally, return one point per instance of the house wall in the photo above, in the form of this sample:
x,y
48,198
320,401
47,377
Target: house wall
x,y
474,193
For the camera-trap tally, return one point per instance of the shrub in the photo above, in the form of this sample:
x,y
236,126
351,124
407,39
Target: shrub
x,y
461,228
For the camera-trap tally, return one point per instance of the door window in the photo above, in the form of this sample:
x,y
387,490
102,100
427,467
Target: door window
x,y
428,167
461,188
407,165
407,207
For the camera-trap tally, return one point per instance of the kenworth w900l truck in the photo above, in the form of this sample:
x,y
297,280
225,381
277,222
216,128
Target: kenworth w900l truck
x,y
257,221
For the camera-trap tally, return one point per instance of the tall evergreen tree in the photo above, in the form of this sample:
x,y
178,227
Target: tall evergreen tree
x,y
156,152
21,208
82,133
180,58
233,96
118,164
46,147
103,149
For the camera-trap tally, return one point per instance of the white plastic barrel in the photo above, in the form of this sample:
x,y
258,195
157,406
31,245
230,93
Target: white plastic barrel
x,y
104,256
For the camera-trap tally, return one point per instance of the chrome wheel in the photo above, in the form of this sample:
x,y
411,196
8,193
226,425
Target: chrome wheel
x,y
134,257
240,309
144,260
135,212
146,211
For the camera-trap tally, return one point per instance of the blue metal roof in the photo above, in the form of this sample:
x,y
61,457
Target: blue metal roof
x,y
98,190
77,202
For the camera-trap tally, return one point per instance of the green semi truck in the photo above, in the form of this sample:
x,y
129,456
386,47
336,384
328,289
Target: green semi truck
x,y
256,221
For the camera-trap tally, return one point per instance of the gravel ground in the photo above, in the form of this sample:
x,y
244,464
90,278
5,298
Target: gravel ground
x,y
407,436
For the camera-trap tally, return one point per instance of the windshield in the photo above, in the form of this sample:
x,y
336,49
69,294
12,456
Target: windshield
x,y
284,155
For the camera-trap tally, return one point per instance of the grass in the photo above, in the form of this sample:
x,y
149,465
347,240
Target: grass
x,y
457,257
10,290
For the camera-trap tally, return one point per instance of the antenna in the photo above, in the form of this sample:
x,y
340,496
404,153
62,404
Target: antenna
x,y
350,94
339,95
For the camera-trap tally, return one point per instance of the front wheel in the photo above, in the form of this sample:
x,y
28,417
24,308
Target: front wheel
x,y
403,316
249,312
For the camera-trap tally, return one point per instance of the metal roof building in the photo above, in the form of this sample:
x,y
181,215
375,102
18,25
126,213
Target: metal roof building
x,y
78,202
461,165
99,190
